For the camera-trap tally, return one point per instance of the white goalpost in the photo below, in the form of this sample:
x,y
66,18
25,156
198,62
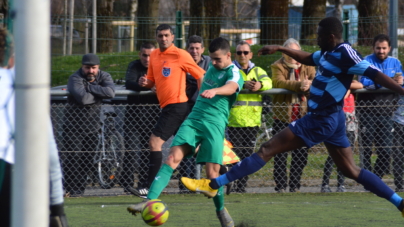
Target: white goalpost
x,y
30,182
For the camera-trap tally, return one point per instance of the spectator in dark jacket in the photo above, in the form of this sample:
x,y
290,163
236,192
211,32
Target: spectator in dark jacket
x,y
87,88
140,117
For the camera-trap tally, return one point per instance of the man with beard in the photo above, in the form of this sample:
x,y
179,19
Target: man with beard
x,y
375,122
87,88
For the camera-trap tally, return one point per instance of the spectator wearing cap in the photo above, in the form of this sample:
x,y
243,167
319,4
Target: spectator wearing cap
x,y
87,87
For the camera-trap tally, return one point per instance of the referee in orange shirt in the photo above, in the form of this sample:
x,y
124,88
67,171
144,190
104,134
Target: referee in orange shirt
x,y
167,71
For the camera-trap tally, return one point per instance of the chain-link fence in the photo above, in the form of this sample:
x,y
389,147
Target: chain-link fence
x,y
110,149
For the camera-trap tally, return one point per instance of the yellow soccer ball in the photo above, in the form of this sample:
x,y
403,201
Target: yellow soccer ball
x,y
155,212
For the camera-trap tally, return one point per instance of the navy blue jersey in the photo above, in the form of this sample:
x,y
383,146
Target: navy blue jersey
x,y
334,75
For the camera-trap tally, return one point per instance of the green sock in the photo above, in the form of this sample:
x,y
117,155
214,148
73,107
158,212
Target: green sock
x,y
219,199
160,181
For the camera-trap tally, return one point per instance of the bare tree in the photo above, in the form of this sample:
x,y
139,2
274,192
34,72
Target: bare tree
x,y
105,8
313,12
372,20
196,20
147,13
274,21
213,9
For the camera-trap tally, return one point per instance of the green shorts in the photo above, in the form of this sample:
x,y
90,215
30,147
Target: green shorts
x,y
208,135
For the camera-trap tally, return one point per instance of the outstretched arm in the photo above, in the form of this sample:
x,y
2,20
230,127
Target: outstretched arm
x,y
227,89
300,56
388,82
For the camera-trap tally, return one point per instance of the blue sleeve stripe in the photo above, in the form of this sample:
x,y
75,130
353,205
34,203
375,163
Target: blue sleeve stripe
x,y
330,67
316,91
359,68
316,57
312,104
322,78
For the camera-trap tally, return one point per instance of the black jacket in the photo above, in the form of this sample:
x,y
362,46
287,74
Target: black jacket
x,y
133,73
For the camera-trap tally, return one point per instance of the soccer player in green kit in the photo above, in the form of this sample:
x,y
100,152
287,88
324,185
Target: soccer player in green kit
x,y
204,126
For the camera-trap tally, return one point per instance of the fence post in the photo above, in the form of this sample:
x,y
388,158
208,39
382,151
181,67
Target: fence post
x,y
94,28
345,21
178,29
393,18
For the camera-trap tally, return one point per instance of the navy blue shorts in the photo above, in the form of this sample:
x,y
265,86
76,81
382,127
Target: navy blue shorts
x,y
314,129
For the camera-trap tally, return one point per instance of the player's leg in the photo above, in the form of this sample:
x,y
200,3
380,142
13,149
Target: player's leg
x,y
343,158
167,125
163,176
282,142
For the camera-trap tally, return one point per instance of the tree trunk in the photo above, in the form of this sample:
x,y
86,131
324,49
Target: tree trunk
x,y
213,10
313,12
196,20
104,27
274,21
147,14
373,20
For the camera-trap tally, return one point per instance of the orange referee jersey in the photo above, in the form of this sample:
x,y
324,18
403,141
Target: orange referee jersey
x,y
168,71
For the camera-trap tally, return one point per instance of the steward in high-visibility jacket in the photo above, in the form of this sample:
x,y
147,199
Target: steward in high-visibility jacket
x,y
246,111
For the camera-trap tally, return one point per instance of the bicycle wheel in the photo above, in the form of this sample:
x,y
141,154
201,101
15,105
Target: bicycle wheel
x,y
108,166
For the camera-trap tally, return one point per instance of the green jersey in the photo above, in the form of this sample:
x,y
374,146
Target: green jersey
x,y
216,110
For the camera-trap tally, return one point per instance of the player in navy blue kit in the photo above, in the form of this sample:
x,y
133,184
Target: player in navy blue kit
x,y
325,122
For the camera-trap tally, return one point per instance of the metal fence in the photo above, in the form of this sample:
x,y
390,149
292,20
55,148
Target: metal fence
x,y
109,150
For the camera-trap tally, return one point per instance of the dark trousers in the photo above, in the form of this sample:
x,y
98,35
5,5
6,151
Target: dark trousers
x,y
139,122
5,194
376,131
299,161
77,162
242,139
329,164
398,155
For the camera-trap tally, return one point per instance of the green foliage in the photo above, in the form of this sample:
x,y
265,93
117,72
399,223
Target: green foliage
x,y
116,63
285,209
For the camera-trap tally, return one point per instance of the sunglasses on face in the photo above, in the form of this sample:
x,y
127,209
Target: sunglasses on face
x,y
242,52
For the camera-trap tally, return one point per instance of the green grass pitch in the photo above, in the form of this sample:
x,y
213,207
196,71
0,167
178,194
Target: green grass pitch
x,y
288,209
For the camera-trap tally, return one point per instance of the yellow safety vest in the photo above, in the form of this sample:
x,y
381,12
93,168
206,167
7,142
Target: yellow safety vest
x,y
246,111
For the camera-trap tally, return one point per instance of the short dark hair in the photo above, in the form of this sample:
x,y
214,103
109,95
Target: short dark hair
x,y
219,44
331,25
163,27
148,45
381,38
195,39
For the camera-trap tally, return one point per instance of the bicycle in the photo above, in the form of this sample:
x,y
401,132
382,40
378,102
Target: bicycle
x,y
110,148
264,136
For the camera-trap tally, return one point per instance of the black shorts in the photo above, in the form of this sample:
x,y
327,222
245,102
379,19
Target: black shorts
x,y
170,120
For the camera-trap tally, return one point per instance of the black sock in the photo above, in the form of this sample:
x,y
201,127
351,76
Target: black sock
x,y
213,184
57,210
155,159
